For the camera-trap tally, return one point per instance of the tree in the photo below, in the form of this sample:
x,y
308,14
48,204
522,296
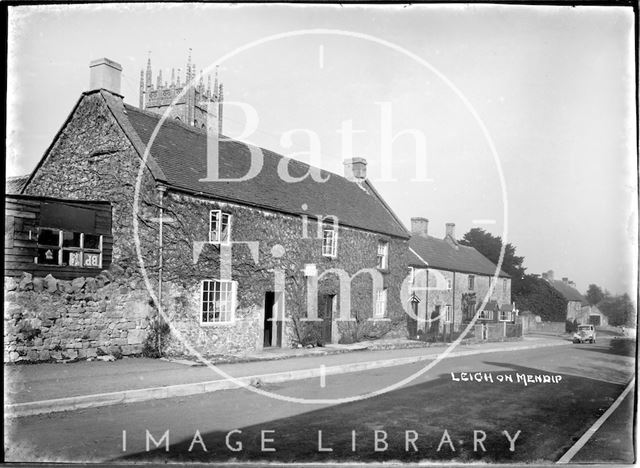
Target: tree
x,y
538,296
619,310
595,294
489,246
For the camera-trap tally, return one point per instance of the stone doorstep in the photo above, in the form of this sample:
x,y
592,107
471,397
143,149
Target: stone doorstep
x,y
130,396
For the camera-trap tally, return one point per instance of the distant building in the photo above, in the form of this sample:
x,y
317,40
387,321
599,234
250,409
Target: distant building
x,y
577,306
449,282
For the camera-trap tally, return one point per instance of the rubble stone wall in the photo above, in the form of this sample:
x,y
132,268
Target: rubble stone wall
x,y
46,319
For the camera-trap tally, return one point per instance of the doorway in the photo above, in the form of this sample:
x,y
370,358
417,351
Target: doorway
x,y
325,312
412,322
273,316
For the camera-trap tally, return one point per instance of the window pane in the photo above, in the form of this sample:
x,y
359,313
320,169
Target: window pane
x,y
225,227
91,260
49,237
72,258
71,239
91,241
214,234
48,256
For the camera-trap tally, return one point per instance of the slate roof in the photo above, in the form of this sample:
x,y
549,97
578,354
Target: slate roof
x,y
178,158
441,254
568,292
14,184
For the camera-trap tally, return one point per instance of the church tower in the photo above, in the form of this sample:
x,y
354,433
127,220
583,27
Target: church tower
x,y
191,108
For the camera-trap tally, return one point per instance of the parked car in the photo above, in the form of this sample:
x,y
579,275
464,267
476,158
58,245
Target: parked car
x,y
585,333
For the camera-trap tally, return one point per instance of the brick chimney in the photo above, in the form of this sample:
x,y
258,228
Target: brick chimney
x,y
565,280
105,74
355,168
420,227
450,230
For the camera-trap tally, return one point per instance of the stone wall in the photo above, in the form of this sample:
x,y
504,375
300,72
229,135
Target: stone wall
x,y
47,319
530,325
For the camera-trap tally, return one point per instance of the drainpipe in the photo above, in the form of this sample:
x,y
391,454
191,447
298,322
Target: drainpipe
x,y
162,190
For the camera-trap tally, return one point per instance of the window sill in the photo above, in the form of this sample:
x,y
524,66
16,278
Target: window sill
x,y
217,324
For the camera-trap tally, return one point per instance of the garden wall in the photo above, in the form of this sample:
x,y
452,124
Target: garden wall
x,y
46,319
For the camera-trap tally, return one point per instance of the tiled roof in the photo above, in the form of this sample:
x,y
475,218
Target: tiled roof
x,y
568,292
179,156
439,253
15,184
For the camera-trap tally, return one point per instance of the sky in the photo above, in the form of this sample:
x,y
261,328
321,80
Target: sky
x,y
516,119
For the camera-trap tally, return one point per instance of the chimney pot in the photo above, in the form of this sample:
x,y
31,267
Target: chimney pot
x,y
451,230
420,227
355,168
105,74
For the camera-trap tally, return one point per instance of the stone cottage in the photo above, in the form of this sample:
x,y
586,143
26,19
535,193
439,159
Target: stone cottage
x,y
577,306
292,254
449,282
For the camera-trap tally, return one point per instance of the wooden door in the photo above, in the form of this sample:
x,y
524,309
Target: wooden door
x,y
325,312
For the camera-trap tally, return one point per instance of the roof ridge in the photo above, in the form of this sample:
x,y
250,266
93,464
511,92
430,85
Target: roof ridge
x,y
200,131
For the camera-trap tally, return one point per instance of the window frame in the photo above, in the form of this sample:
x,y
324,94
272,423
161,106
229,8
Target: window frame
x,y
471,282
382,258
448,313
381,304
219,221
506,314
232,306
332,252
504,285
60,248
486,315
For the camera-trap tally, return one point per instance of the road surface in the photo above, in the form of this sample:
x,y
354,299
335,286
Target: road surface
x,y
487,407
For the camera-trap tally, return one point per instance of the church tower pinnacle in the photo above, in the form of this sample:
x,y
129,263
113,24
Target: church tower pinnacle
x,y
191,104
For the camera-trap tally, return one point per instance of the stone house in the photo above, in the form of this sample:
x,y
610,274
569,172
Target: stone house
x,y
577,306
450,281
226,261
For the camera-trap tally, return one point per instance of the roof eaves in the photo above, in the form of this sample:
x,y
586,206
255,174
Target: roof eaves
x,y
263,206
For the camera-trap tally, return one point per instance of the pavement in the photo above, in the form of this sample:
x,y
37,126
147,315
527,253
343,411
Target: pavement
x,y
48,388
